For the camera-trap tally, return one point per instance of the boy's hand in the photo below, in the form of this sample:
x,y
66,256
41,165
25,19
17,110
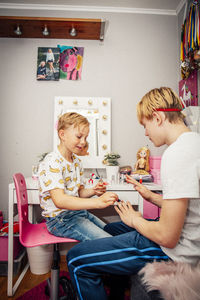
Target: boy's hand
x,y
144,192
99,189
107,199
127,214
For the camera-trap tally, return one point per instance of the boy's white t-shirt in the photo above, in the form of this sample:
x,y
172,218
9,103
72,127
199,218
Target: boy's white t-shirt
x,y
180,177
56,172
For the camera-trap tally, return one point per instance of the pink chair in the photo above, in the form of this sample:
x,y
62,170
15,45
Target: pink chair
x,y
32,235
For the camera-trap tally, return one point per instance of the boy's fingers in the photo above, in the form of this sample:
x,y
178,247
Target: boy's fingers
x,y
132,180
129,204
117,210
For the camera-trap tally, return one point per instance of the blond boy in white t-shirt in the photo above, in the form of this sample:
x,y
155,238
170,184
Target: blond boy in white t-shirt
x,y
63,197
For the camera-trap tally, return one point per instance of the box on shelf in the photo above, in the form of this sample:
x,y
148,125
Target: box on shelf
x,y
18,264
17,247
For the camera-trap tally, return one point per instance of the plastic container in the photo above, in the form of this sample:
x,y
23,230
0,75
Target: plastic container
x,y
40,258
17,247
18,264
155,162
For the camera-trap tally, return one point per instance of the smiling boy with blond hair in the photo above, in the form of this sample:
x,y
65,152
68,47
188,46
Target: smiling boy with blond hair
x,y
63,196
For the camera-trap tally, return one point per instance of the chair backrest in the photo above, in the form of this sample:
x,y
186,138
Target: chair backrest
x,y
22,201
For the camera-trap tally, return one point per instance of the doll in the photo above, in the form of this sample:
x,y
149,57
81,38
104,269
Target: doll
x,y
142,164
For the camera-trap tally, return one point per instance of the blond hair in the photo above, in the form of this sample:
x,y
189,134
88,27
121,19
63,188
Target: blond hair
x,y
162,98
71,118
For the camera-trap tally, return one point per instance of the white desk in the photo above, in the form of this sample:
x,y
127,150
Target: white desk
x,y
124,191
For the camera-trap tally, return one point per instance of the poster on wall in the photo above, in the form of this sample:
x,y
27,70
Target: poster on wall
x,y
71,61
188,90
48,63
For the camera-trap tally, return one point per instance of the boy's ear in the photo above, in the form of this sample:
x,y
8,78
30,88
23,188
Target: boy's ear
x,y
159,117
61,133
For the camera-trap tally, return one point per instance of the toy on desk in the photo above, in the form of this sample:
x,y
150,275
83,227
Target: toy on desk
x,y
142,164
123,171
92,177
142,178
126,170
141,168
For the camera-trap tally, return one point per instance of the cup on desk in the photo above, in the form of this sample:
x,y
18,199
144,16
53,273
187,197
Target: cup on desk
x,y
112,174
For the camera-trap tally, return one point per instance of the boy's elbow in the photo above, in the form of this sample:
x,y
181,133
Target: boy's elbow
x,y
168,241
57,203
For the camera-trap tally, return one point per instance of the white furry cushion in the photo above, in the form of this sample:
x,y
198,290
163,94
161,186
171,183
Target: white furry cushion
x,y
174,280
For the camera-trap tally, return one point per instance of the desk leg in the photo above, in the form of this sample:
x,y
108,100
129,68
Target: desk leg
x,y
30,213
10,242
140,202
10,288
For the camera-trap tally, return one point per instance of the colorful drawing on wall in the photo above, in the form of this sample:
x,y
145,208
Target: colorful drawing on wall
x,y
188,91
48,63
71,61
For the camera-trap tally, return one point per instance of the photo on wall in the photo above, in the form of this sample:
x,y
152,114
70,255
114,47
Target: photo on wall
x,y
71,62
48,63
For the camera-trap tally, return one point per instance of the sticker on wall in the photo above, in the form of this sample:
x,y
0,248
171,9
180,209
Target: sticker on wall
x,y
71,61
188,90
48,63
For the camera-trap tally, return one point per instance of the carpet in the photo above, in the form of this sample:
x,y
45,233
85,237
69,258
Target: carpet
x,y
38,292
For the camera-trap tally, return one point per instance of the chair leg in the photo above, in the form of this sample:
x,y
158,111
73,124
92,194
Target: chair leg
x,y
55,270
54,284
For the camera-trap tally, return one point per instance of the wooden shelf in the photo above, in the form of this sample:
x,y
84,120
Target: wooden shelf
x,y
59,28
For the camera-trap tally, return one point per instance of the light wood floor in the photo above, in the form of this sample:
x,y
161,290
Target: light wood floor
x,y
29,281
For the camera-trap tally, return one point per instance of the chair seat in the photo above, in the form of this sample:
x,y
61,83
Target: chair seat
x,y
37,234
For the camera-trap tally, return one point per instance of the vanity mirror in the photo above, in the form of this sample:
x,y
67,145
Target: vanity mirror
x,y
98,112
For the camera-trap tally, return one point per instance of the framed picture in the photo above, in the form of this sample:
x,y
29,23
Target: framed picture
x,y
48,63
188,90
71,61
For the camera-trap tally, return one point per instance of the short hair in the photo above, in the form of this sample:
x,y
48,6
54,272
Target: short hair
x,y
71,118
163,97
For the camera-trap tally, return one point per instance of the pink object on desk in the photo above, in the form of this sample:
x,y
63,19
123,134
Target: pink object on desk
x,y
155,162
151,211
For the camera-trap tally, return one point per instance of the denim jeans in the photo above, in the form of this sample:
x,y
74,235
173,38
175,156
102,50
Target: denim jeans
x,y
79,225
123,254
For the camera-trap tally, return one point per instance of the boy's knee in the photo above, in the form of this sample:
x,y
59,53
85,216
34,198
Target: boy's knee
x,y
73,252
109,227
69,255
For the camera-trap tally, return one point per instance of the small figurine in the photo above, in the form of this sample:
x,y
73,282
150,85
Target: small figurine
x,y
92,177
142,164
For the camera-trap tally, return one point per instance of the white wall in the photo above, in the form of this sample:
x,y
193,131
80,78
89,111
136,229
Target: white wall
x,y
140,52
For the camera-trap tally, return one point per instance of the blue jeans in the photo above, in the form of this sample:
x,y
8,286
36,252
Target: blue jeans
x,y
123,254
79,225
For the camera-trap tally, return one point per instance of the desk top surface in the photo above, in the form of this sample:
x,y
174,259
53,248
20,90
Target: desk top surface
x,y
32,184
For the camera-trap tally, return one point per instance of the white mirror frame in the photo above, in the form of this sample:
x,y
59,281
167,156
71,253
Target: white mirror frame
x,y
98,112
